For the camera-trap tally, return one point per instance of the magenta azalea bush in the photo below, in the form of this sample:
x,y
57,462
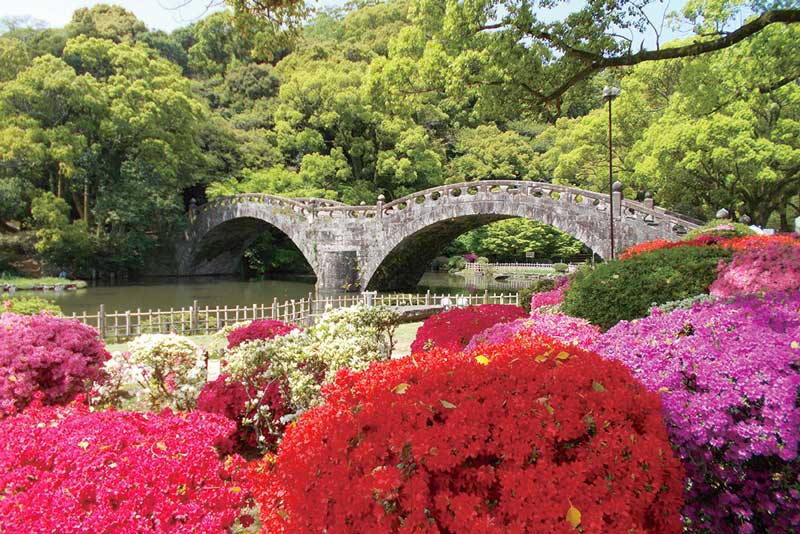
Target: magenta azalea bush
x,y
66,469
41,353
729,374
769,266
453,329
260,329
557,326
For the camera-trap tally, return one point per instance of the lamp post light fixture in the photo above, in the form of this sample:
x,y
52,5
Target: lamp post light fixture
x,y
609,94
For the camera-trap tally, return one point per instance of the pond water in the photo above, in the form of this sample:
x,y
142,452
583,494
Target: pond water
x,y
220,291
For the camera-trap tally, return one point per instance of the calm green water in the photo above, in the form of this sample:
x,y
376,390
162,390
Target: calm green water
x,y
220,291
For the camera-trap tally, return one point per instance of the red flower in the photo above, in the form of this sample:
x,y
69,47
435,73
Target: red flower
x,y
454,329
528,436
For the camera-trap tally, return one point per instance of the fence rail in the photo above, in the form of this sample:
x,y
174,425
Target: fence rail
x,y
201,320
512,268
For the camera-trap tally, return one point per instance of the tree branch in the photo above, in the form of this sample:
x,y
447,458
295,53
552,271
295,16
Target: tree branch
x,y
599,62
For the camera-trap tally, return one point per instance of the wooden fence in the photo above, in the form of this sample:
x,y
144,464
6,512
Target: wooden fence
x,y
514,268
197,320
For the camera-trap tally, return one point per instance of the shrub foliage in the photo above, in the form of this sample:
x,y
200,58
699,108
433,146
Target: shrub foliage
x,y
528,437
56,357
625,290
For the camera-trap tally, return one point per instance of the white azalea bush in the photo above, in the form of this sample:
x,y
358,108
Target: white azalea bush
x,y
300,362
166,370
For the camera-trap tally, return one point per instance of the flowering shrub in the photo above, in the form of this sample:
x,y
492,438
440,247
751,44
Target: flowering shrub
x,y
529,437
729,378
168,370
722,228
66,469
758,268
683,304
740,242
57,357
262,329
282,376
557,326
453,329
241,402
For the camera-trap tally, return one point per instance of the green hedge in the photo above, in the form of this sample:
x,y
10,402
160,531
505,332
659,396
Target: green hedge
x,y
540,285
627,289
739,229
28,305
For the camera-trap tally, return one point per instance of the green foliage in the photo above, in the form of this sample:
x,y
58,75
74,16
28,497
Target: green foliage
x,y
509,240
720,227
63,244
28,306
627,289
539,286
560,267
106,22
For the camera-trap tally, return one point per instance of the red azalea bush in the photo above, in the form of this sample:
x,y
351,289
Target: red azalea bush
x,y
57,357
66,469
453,329
733,243
236,401
531,436
261,329
760,267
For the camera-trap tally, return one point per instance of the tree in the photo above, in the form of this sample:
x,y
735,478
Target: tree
x,y
487,153
13,58
106,22
509,240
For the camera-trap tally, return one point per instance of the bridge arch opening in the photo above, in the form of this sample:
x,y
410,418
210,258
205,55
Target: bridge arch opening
x,y
249,246
403,267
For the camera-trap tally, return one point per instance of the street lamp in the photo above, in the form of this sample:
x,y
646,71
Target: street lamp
x,y
609,94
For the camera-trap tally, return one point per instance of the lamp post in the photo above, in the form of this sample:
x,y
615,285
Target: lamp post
x,y
609,94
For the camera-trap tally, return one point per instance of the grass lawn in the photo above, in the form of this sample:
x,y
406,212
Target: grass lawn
x,y
30,283
404,336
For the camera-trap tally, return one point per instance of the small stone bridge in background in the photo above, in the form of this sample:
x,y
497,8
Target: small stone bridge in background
x,y
388,246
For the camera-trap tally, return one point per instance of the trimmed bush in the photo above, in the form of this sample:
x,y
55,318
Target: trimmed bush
x,y
721,228
453,329
627,289
530,437
29,306
729,379
560,267
57,358
66,469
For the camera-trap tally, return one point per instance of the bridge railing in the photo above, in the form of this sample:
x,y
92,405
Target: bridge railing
x,y
203,320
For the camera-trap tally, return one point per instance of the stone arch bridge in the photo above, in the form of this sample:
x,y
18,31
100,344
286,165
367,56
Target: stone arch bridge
x,y
387,246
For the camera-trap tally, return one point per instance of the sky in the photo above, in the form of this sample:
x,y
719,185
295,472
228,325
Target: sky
x,y
170,14
156,14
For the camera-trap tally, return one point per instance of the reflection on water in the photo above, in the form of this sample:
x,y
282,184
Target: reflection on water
x,y
166,293
471,283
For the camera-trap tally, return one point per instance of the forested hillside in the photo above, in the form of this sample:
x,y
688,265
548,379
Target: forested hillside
x,y
108,129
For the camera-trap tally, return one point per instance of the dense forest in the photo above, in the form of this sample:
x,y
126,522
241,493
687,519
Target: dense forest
x,y
108,129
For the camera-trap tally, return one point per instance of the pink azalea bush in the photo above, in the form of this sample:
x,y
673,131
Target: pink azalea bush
x,y
66,469
729,375
453,329
261,329
768,266
557,326
41,353
550,300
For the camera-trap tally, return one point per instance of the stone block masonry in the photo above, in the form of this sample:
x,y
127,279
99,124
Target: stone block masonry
x,y
388,246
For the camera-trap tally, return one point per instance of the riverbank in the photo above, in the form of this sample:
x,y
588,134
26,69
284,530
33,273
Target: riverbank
x,y
39,284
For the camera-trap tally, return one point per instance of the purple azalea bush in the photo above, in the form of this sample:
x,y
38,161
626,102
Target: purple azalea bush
x,y
558,326
729,375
